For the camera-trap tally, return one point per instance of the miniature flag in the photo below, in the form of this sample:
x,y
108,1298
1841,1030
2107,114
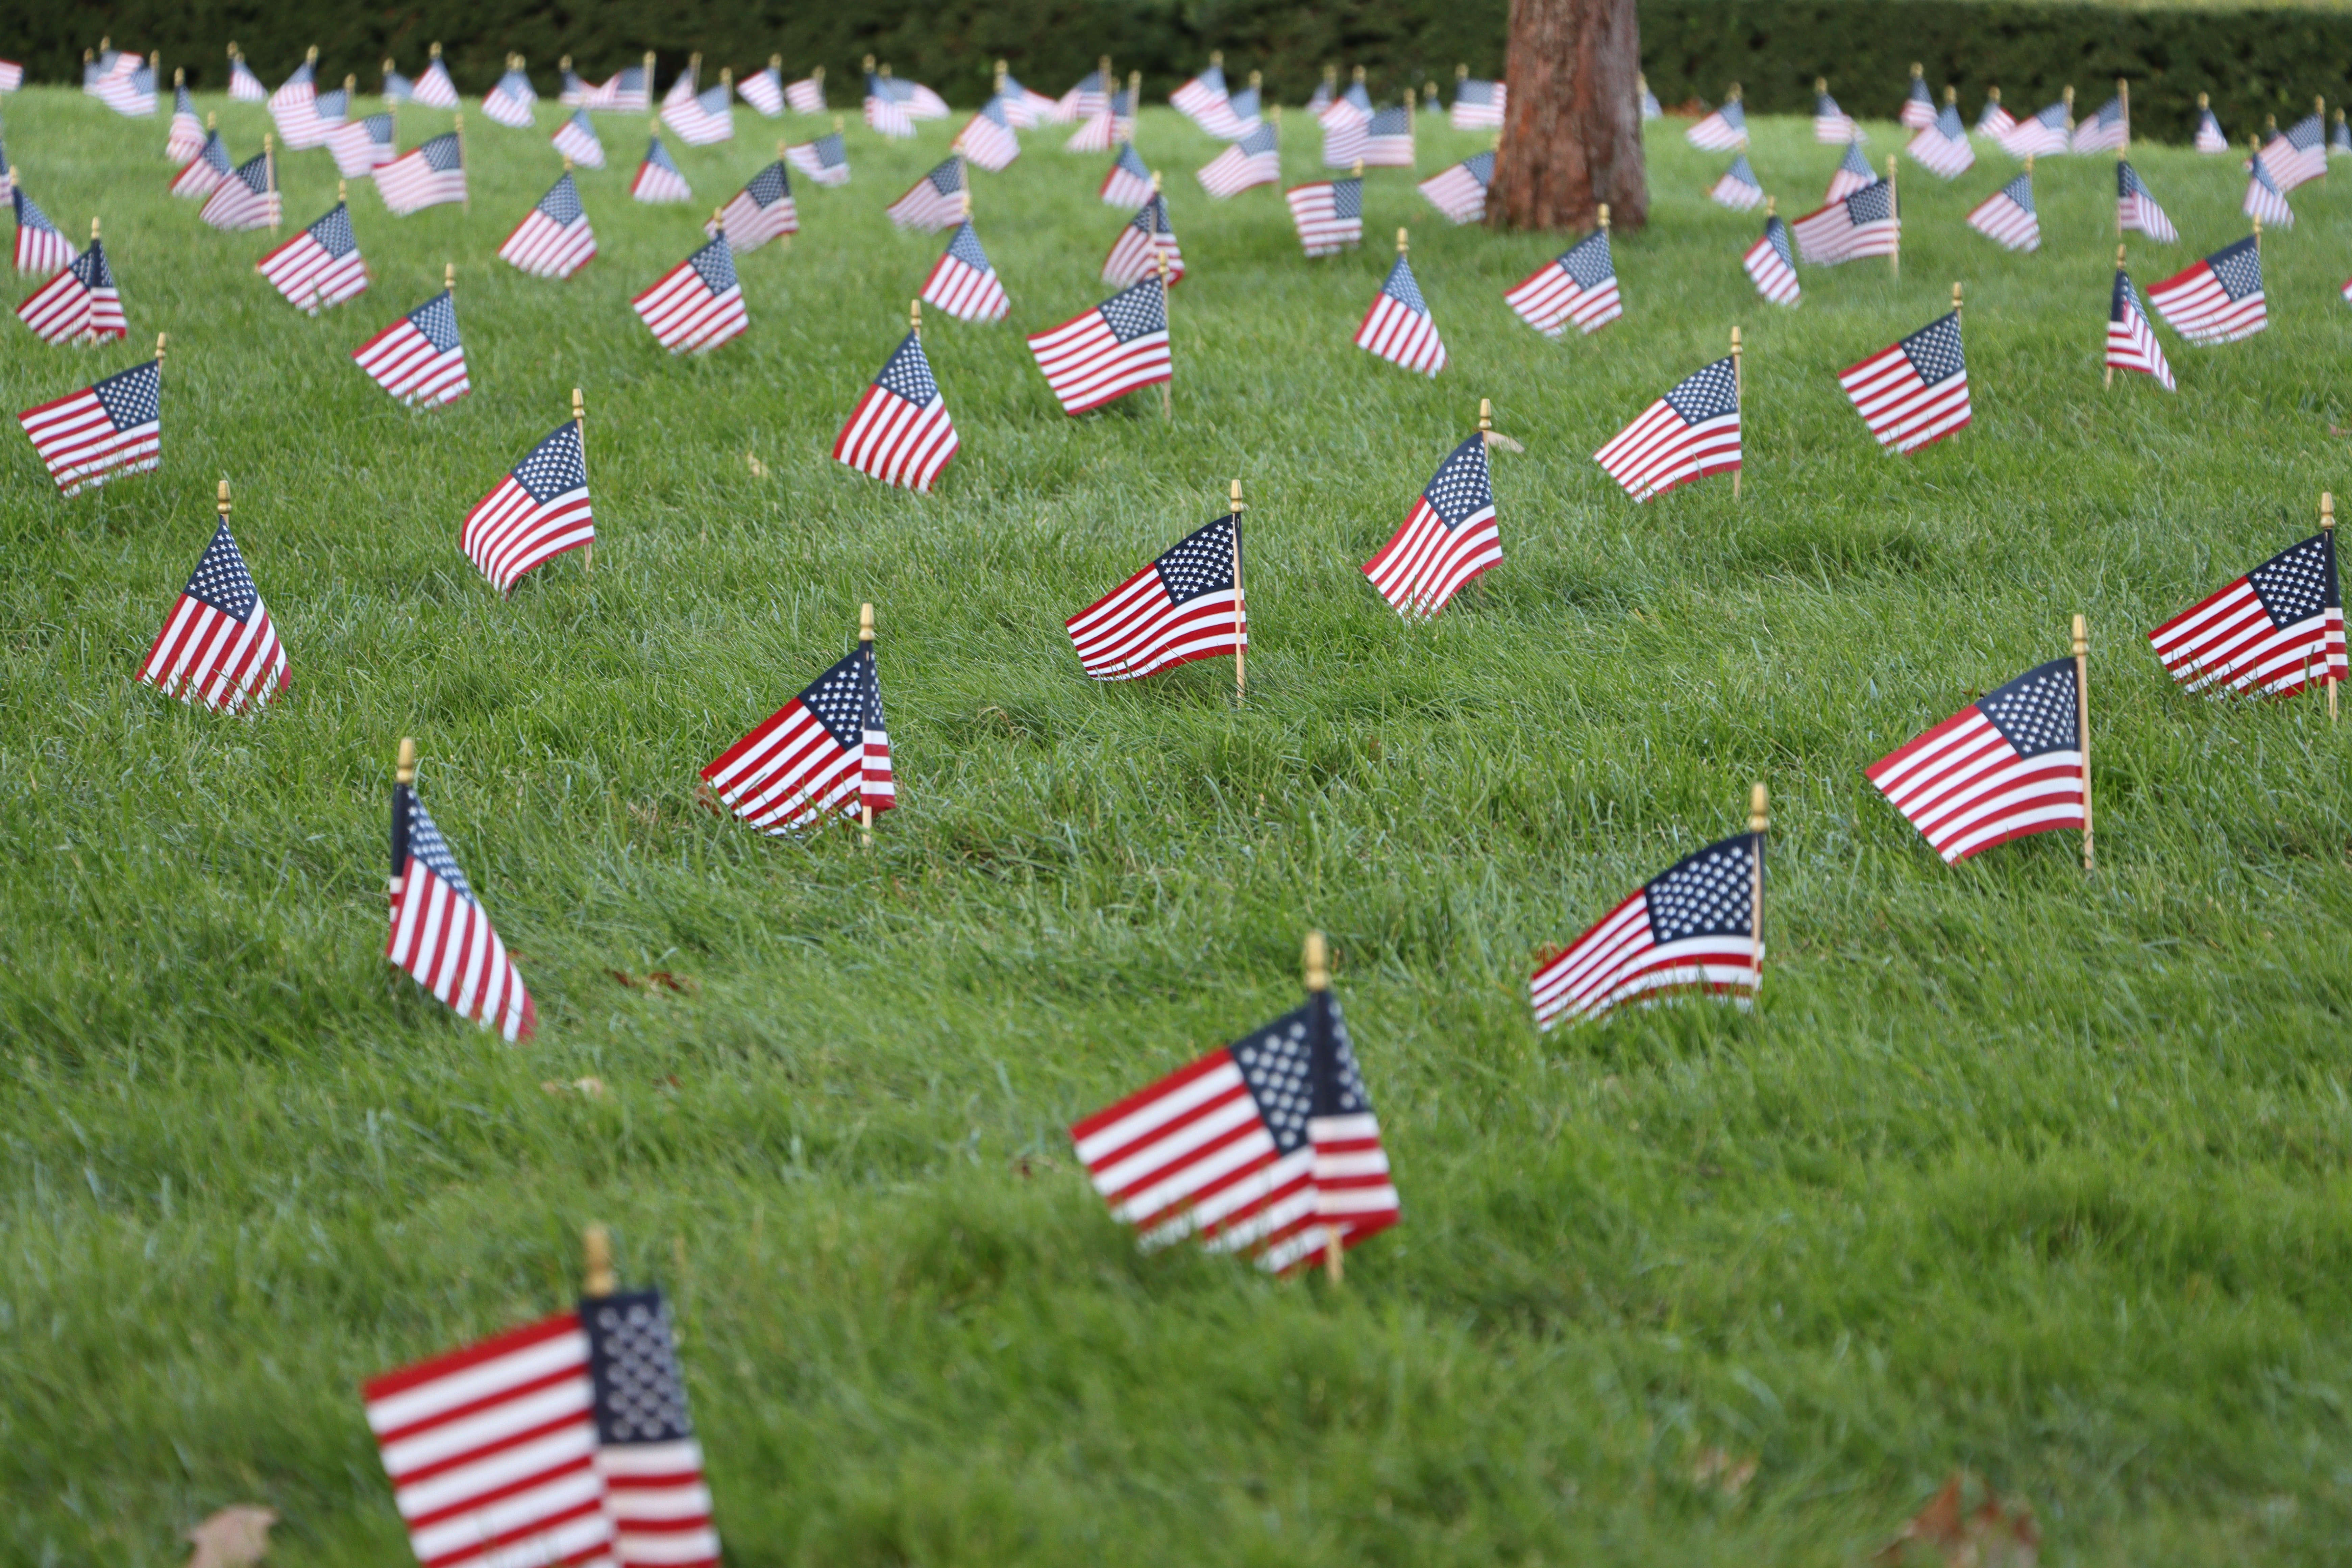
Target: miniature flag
x,y
398,89
1914,393
320,266
1202,98
826,750
681,86
762,211
2274,630
1720,132
1346,126
243,85
2218,301
825,160
1852,173
510,102
539,512
1863,223
2297,153
186,138
1449,537
1096,134
1090,97
899,432
2131,342
80,304
2339,140
2208,137
428,175
576,140
1693,431
1329,214
553,240
1691,928
1738,189
1832,126
1650,110
217,646
1186,604
1397,327
1129,184
1108,351
2104,131
1254,160
806,96
418,359
659,179
1388,139
704,118
361,146
921,101
1943,148
295,107
331,107
573,92
434,90
1246,117
247,199
1026,108
699,303
442,937
2136,209
2049,131
1143,244
109,63
1478,105
2265,201
626,91
987,138
1995,120
1266,1148
1577,286
206,171
1460,191
131,92
764,90
645,1449
883,111
941,199
1769,262
2007,217
2008,764
964,284
1918,104
40,247
101,432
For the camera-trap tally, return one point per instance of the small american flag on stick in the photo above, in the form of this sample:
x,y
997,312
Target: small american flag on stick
x,y
362,146
697,304
2047,131
2007,217
429,175
1329,214
1146,245
899,432
1254,160
1478,104
1738,189
1915,392
825,751
205,171
81,303
2108,130
1722,130
2273,631
576,140
2131,342
1460,192
320,266
434,90
442,937
825,160
1919,103
1578,287
764,89
964,284
244,87
1771,262
1693,431
1863,223
217,646
1995,120
41,248
762,211
185,137
1852,173
512,100
2218,301
987,138
1449,537
1108,351
657,178
2265,199
294,107
2298,153
419,358
1832,126
1185,605
1205,100
884,112
105,430
248,199
1943,148
2209,137
1388,137
941,199
806,96
554,239
539,512
1347,125
1129,181
707,118
1397,326
2137,210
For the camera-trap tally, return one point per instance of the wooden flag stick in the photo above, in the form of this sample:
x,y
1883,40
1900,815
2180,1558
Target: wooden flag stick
x,y
596,1278
2120,267
1739,397
653,104
1315,961
270,177
1956,298
2123,97
161,338
404,771
458,126
1758,821
1895,211
2328,531
343,193
866,805
1240,616
2083,723
1167,397
580,427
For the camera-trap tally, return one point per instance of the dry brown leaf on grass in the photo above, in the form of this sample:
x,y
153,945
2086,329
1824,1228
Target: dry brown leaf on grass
x,y
1999,1533
1722,1472
233,1537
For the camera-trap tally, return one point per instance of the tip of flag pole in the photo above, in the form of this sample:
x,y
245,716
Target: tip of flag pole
x,y
1357,172
2081,636
1956,298
1485,413
1772,204
2326,509
343,192
864,623
914,317
1236,506
161,338
435,50
1820,84
222,504
1316,962
596,1262
404,770
1401,241
579,408
93,231
1603,214
1759,818
450,277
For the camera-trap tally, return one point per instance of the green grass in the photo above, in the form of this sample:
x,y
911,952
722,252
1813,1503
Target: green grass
x,y
2017,1168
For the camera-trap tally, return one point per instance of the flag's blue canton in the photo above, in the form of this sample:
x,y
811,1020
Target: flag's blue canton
x,y
2262,172
658,156
1244,107
1277,1063
1013,89
839,698
1213,79
90,267
132,397
303,75
1200,563
437,319
561,202
1090,82
1152,217
908,374
1588,260
1403,289
331,105
633,1367
2125,299
1934,349
334,232
1347,198
444,152
425,844
2110,111
2054,116
1711,893
1460,487
1358,96
1826,108
1741,170
1711,393
1734,116
2036,712
876,88
715,264
1122,106
2306,133
769,186
714,100
398,88
2021,190
2128,182
1948,126
947,178
633,79
1473,91
221,580
831,150
1129,162
994,110
181,102
1132,312
1339,1087
1391,122
379,128
1776,234
254,173
32,217
965,248
1853,161
1480,166
214,153
2238,268
555,467
2294,584
1872,204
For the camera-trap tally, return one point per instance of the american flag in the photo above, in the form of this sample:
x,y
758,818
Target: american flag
x,y
2007,217
1739,189
645,1449
704,118
941,199
576,140
1832,126
699,303
553,240
1449,537
1206,102
131,92
1244,107
2048,132
1108,351
1142,247
2104,131
1129,184
243,85
40,247
418,359
628,90
1254,160
1720,132
424,176
987,138
2136,209
1328,214
1185,605
2131,342
1122,113
1346,126
1918,104
826,750
1943,148
1388,139
1267,1147
536,514
1693,431
1852,173
806,96
1478,104
899,432
112,429
2218,301
2274,630
205,171
248,198
12,76
921,102
2208,137
1096,134
1577,286
884,112
2339,140
1864,223
1460,191
2008,764
1771,264
1995,121
186,138
1914,393
434,90
217,646
1025,106
2297,153
764,89
110,62
511,100
294,106
442,937
398,89
964,284
2265,200
330,108
682,85
1090,97
1397,326
657,179
573,92
1324,92
1650,110
80,304
1692,926
762,211
825,160
361,146
320,266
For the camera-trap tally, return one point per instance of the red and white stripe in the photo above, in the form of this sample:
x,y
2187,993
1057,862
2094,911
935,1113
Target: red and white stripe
x,y
78,443
790,771
806,96
445,941
1621,960
64,309
2132,346
1424,563
2227,640
966,292
508,535
2005,223
403,361
1087,366
1137,254
1321,231
684,313
310,276
1658,451
985,141
1135,630
2197,307
1552,302
581,145
1966,789
1903,412
42,250
205,655
546,249
892,439
1095,135
1775,279
1401,335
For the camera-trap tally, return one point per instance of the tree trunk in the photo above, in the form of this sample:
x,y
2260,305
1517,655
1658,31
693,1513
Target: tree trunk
x,y
1572,126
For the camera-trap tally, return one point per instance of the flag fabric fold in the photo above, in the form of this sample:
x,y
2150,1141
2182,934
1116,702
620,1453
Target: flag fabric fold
x,y
825,160
1943,149
576,139
1692,928
2009,765
1129,181
2137,210
80,304
1254,160
941,199
2131,342
762,211
2273,631
657,178
320,266
1459,191
442,937
1397,327
1860,225
248,199
217,646
1328,214
1448,537
1738,189
430,175
539,512
899,432
1147,240
2008,218
825,752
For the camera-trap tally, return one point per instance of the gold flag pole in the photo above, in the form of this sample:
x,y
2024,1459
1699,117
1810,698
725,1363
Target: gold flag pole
x,y
580,429
404,771
866,806
1956,300
2120,267
2328,531
1241,616
458,127
270,177
1167,398
2083,723
597,1279
1315,960
1895,211
1739,397
1758,821
2123,97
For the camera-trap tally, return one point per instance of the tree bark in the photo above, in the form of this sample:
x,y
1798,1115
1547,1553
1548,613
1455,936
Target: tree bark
x,y
1572,126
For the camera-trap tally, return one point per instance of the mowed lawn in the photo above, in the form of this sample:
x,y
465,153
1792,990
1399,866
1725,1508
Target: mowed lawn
x,y
2016,1169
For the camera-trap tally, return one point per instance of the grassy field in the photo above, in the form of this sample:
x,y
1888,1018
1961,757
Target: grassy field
x,y
2020,1170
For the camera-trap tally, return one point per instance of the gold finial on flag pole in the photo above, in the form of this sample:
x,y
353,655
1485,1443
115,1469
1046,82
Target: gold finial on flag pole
x,y
915,318
580,429
1956,298
2327,530
2083,723
1760,822
1240,616
596,1278
403,770
866,806
1738,398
